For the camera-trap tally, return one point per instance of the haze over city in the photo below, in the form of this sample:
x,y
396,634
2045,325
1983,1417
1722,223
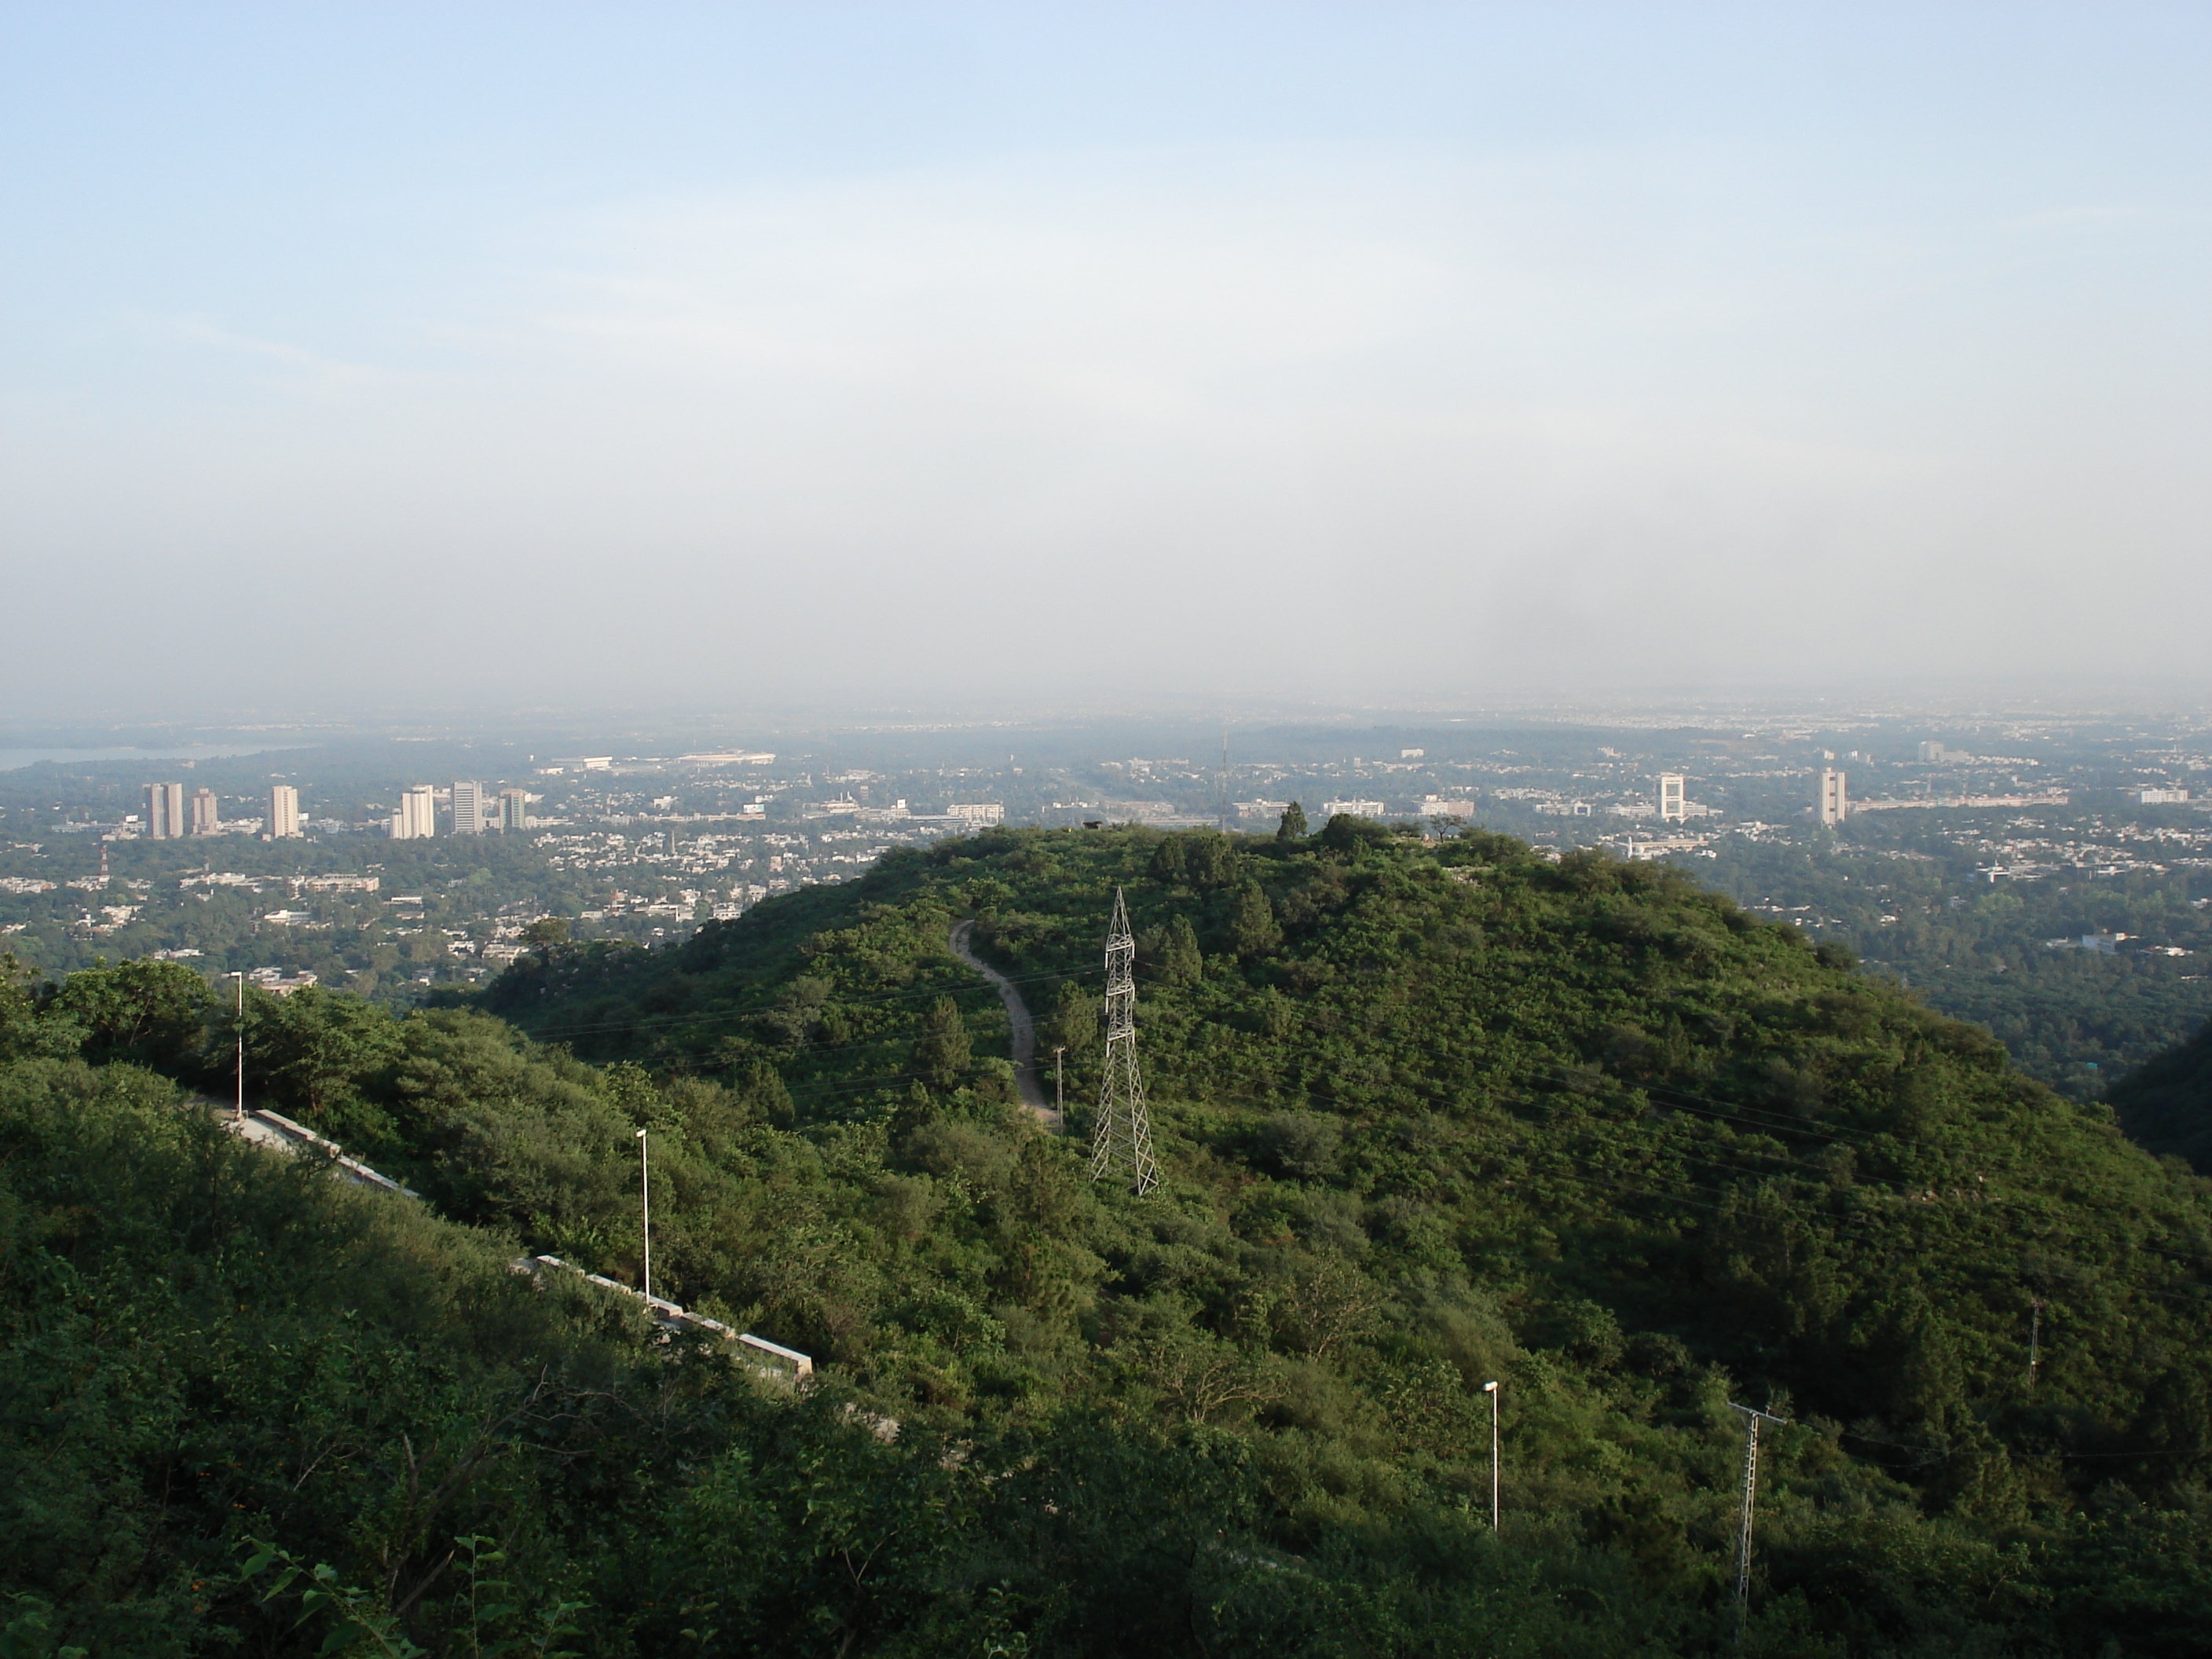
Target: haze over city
x,y
369,361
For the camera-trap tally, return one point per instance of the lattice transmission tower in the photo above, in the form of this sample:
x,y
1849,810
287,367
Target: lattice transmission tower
x,y
1122,1145
1752,1419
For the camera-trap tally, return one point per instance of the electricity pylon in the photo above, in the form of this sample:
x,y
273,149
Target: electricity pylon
x,y
1122,1143
1752,1419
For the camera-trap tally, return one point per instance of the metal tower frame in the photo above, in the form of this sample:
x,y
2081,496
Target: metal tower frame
x,y
1752,1419
1122,1142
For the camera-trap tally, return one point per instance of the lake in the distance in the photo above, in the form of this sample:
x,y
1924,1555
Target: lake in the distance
x,y
12,759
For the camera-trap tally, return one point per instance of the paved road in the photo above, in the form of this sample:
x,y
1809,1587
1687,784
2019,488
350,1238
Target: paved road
x,y
1024,1028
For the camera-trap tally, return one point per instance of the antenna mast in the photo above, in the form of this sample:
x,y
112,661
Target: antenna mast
x,y
1221,823
1122,1143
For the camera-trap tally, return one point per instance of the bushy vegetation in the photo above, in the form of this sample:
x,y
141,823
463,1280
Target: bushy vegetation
x,y
2166,1105
1429,1117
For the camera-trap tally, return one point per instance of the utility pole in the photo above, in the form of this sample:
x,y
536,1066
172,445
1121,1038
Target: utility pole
x,y
239,1115
2034,1343
645,1211
1491,1388
1752,1419
1122,1142
1059,1083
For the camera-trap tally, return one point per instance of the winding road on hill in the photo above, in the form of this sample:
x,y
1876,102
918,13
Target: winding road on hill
x,y
1023,1027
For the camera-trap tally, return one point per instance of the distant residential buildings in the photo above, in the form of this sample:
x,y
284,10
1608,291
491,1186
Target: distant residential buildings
x,y
1832,805
342,883
417,816
206,820
2043,798
1659,846
729,757
2162,797
277,982
1933,750
165,810
469,817
1673,803
1358,809
514,809
283,812
1413,754
977,813
1442,807
2103,945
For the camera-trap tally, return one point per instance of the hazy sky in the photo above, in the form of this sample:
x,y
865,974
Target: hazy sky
x,y
374,358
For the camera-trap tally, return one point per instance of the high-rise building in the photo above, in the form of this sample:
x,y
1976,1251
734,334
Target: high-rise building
x,y
165,810
469,817
283,812
205,819
1832,805
417,816
1673,804
514,809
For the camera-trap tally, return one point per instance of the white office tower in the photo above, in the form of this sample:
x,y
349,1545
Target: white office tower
x,y
468,808
514,809
417,816
205,821
1832,805
165,810
1674,803
283,812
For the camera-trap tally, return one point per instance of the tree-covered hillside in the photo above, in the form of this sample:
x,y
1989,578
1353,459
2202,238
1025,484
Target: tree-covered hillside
x,y
1429,1116
2165,1105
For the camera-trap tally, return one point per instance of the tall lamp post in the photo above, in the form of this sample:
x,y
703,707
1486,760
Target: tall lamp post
x,y
1491,1388
645,1211
239,1115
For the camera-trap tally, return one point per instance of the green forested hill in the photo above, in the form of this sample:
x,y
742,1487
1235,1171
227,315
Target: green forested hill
x,y
2165,1105
1428,1116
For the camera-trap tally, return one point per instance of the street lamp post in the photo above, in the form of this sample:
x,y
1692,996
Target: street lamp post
x,y
645,1211
239,1115
1491,1388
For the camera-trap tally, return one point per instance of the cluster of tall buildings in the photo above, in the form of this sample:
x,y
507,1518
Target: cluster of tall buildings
x,y
171,816
473,811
